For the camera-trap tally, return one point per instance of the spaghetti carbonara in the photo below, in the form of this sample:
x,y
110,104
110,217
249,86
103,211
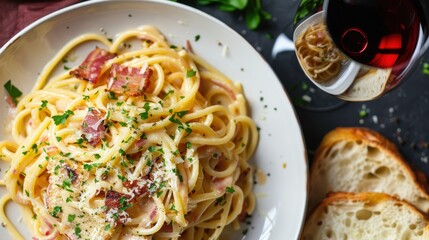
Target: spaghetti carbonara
x,y
319,57
142,139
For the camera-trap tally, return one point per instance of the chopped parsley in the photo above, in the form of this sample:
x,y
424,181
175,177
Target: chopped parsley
x,y
61,119
173,208
90,166
124,204
197,37
191,73
56,211
122,178
77,230
122,152
111,95
363,113
151,149
425,69
230,190
107,227
13,91
168,93
145,114
220,201
43,105
85,97
71,217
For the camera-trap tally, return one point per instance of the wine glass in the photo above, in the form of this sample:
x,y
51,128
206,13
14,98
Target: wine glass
x,y
357,50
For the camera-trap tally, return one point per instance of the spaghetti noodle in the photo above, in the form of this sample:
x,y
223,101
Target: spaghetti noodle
x,y
320,59
149,142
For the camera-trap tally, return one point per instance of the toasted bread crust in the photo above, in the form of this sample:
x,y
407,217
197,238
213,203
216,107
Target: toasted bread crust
x,y
371,138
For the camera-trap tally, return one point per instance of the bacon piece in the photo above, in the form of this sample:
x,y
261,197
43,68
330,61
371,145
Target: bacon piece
x,y
131,81
243,215
136,189
93,127
113,199
220,184
90,68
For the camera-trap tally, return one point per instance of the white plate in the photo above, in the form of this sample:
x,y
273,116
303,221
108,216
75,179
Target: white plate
x,y
281,201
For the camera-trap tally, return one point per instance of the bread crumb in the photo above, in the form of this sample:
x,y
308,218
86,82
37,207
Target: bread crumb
x,y
284,165
261,178
306,98
424,158
225,51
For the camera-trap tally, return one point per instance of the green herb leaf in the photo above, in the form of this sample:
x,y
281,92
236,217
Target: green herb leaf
x,y
78,230
182,113
57,209
43,105
61,119
425,69
253,19
230,190
13,91
107,227
145,115
191,73
71,217
111,95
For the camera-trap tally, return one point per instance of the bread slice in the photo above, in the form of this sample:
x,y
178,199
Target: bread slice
x,y
361,160
365,216
368,86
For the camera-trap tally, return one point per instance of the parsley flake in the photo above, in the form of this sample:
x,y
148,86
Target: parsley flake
x,y
43,105
61,119
230,190
191,73
13,91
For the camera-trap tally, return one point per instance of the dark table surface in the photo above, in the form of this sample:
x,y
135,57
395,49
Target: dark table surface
x,y
401,115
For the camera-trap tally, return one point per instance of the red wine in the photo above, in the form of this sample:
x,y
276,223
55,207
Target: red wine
x,y
379,33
